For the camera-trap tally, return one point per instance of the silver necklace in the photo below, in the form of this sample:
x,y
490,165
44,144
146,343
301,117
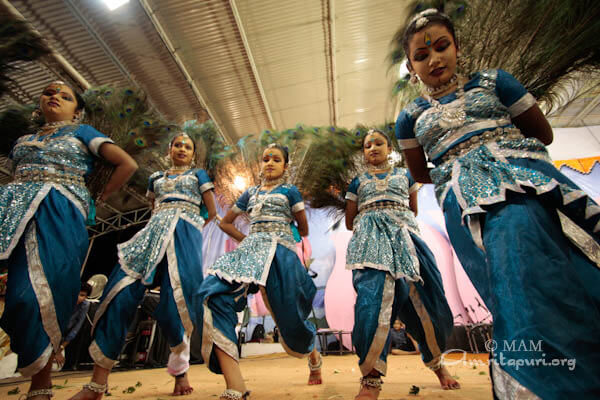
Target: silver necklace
x,y
170,182
381,185
258,205
434,91
451,115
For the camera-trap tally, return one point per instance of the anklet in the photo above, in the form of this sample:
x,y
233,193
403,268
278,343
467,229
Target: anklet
x,y
95,387
371,382
317,366
39,392
230,394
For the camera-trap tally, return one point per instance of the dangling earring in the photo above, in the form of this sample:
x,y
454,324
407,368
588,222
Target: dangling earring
x,y
35,114
414,79
78,117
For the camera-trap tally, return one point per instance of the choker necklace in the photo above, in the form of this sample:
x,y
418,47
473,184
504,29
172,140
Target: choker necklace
x,y
180,169
434,91
383,166
272,182
56,124
451,115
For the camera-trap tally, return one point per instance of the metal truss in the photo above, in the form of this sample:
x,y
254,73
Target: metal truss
x,y
119,221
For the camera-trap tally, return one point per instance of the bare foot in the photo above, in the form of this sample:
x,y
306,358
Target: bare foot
x,y
370,387
85,394
367,393
182,386
447,382
314,364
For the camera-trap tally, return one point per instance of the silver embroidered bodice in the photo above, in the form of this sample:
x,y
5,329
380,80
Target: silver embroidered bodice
x,y
60,161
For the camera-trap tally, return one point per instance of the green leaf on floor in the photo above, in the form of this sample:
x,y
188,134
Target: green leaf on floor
x,y
414,390
14,391
481,372
130,389
138,384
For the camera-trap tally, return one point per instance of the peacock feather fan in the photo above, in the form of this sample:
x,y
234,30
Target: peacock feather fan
x,y
19,44
332,159
125,116
548,45
238,166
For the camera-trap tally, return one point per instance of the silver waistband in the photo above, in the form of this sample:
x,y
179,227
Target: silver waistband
x,y
270,227
383,205
495,135
184,205
47,176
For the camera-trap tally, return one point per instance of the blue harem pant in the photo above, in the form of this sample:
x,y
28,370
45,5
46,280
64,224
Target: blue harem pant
x,y
43,281
179,274
288,293
422,306
542,291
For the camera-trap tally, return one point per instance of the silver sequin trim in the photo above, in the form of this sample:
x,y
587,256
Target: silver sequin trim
x,y
41,287
430,339
178,296
580,238
99,357
508,388
522,105
372,360
38,364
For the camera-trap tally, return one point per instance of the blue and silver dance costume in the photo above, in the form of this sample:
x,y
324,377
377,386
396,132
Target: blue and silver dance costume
x,y
166,252
43,237
265,260
394,273
526,235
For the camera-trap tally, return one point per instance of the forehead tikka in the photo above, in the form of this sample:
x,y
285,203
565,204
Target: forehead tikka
x,y
427,39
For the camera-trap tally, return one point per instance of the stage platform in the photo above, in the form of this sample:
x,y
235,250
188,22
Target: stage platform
x,y
279,376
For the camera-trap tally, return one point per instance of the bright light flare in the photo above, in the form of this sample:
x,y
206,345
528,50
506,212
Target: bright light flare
x,y
239,183
114,4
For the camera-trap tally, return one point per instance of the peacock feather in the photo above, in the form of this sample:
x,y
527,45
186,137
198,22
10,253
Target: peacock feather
x,y
18,44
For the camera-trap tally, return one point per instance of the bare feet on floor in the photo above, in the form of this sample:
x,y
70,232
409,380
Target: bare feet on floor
x,y
85,394
182,386
314,365
447,382
370,387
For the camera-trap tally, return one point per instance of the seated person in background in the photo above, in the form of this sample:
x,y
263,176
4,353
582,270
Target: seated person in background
x,y
75,323
401,342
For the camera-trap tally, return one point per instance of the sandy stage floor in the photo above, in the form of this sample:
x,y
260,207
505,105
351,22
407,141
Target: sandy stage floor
x,y
278,376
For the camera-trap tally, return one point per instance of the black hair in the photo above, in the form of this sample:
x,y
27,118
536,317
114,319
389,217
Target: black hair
x,y
283,149
178,134
86,287
436,17
387,138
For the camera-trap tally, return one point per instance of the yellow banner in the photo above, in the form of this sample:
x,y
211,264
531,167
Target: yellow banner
x,y
583,165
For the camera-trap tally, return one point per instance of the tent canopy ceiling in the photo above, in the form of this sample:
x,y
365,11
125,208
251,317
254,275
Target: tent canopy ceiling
x,y
248,65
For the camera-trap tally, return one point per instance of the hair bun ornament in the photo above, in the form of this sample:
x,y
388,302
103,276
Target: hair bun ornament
x,y
421,19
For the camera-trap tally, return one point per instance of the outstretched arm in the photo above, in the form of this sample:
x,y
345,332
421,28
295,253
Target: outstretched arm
x,y
412,202
125,166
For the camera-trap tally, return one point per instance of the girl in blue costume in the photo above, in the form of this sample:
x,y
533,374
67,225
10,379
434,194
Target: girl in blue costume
x,y
166,252
265,260
394,272
526,235
42,228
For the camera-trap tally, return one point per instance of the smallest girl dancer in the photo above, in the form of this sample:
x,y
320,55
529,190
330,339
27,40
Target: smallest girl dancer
x,y
266,260
394,272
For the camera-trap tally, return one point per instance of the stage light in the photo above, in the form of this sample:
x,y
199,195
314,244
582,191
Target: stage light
x,y
239,183
114,4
